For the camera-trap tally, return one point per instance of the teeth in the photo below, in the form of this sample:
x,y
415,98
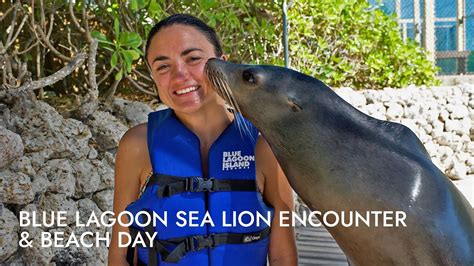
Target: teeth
x,y
193,88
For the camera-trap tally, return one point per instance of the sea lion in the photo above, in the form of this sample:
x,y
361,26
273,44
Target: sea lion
x,y
338,159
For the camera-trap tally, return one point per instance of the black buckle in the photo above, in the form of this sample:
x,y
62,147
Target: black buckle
x,y
188,184
207,242
205,184
195,243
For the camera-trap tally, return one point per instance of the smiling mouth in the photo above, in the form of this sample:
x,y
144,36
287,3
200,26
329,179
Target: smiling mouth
x,y
186,90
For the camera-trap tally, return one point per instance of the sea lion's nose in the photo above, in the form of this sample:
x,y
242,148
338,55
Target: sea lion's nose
x,y
214,61
211,63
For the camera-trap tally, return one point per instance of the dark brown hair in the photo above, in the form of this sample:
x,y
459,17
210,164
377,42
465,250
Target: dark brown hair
x,y
188,20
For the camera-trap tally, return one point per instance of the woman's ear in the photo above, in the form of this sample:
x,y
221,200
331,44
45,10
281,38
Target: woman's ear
x,y
224,57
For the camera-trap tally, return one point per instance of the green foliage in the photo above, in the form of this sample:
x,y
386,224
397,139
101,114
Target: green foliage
x,y
345,43
125,48
249,30
341,42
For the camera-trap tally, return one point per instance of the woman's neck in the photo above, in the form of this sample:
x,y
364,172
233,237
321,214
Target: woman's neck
x,y
207,123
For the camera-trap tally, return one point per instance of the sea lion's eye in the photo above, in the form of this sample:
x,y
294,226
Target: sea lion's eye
x,y
249,77
294,105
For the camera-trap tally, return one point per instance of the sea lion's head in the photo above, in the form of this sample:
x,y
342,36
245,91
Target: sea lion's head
x,y
260,93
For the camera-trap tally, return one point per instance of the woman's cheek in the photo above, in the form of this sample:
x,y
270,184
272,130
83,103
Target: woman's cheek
x,y
199,68
162,80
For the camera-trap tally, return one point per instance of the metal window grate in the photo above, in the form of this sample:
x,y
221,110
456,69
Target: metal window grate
x,y
445,28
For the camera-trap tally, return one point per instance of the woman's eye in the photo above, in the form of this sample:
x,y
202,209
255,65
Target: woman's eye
x,y
162,68
194,59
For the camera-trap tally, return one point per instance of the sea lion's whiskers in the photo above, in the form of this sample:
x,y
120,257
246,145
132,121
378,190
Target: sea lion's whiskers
x,y
225,93
228,97
222,87
241,124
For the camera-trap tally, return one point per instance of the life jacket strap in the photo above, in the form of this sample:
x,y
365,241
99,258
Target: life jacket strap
x,y
171,185
192,243
196,243
158,246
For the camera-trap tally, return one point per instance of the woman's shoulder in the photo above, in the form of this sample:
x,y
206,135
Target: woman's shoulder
x,y
262,148
135,133
135,137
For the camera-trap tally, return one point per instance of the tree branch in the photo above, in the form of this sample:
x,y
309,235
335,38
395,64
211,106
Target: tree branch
x,y
140,88
49,80
13,23
11,41
90,103
51,24
6,13
43,20
147,78
29,48
86,22
69,39
7,71
73,17
91,63
107,74
3,63
49,45
109,94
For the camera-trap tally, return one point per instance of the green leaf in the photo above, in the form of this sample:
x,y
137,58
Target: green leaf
x,y
208,4
154,8
141,4
117,26
109,48
99,36
118,76
133,5
129,56
135,55
140,52
114,59
131,39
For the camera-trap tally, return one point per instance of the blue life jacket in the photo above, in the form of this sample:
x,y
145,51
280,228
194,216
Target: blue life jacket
x,y
178,185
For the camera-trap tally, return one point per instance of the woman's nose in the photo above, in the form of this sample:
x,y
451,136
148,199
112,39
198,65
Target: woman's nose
x,y
180,71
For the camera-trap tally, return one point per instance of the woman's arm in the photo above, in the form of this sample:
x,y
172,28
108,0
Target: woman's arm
x,y
132,152
278,193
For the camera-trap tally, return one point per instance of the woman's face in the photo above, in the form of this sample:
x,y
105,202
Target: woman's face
x,y
177,55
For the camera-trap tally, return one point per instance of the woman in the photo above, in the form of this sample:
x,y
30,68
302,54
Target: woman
x,y
192,139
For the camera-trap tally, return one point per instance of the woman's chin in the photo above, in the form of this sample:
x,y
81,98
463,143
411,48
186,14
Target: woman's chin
x,y
194,104
188,107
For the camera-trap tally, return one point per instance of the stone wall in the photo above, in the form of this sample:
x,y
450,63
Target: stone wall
x,y
441,117
49,163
